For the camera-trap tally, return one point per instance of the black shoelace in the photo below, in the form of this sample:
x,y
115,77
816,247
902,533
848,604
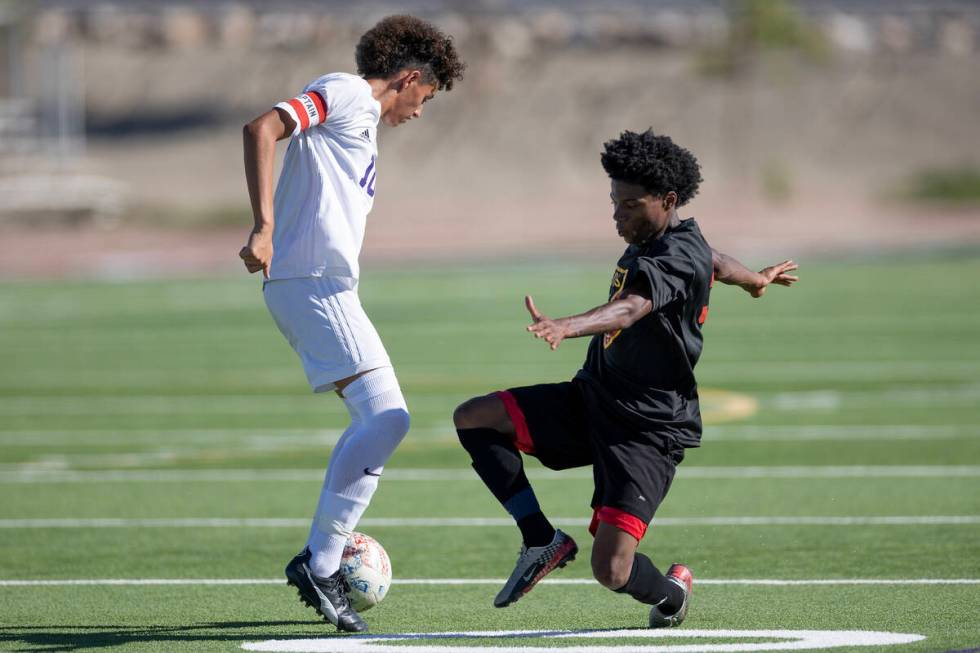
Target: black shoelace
x,y
341,584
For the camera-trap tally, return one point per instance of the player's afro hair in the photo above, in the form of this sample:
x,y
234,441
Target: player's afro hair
x,y
654,162
400,42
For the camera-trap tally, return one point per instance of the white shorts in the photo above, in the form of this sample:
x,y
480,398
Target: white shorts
x,y
323,320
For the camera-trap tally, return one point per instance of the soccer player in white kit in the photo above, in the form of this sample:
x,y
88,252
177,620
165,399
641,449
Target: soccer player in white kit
x,y
306,240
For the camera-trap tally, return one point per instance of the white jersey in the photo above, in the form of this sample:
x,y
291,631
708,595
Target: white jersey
x,y
326,188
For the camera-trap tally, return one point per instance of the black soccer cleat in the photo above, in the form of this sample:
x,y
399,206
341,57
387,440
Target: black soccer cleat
x,y
533,564
328,596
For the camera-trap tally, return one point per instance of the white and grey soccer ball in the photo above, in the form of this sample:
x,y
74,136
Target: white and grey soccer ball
x,y
366,567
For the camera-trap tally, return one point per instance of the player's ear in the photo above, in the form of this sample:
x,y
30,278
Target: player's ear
x,y
669,200
410,77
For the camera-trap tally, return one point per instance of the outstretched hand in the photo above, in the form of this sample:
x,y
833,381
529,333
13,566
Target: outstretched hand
x,y
552,331
773,274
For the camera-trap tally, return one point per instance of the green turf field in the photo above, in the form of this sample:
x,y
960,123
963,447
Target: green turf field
x,y
163,431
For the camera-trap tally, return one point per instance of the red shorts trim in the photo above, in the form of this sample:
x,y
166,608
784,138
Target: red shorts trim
x,y
522,436
621,520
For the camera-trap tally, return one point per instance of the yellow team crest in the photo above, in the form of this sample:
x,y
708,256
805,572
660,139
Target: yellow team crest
x,y
615,290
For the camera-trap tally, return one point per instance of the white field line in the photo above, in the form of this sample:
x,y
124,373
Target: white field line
x,y
152,404
954,395
607,641
848,433
189,449
154,457
485,581
249,404
732,368
832,471
208,437
282,438
379,522
28,475
200,404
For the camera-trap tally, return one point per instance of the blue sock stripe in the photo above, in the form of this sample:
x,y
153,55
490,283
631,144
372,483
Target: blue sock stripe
x,y
522,504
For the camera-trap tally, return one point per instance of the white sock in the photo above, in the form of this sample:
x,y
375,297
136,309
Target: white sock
x,y
341,441
380,423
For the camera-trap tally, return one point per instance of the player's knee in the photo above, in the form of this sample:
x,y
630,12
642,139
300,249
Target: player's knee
x,y
398,420
487,412
612,572
467,414
394,422
471,427
391,423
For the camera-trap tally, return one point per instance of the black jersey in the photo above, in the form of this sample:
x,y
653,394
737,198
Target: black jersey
x,y
646,372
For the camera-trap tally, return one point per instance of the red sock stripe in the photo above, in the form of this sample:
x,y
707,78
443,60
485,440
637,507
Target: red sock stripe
x,y
304,117
320,104
621,520
522,436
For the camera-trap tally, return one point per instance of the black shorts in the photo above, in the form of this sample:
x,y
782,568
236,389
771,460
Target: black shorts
x,y
567,425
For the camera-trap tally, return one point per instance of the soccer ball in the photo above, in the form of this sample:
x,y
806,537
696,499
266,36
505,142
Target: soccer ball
x,y
366,567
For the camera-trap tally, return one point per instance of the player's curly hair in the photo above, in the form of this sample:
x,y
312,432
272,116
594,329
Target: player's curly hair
x,y
400,42
654,162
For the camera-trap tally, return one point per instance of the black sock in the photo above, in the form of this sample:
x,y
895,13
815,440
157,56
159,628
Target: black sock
x,y
536,530
498,464
648,585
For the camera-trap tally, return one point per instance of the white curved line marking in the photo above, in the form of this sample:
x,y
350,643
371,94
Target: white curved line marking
x,y
793,640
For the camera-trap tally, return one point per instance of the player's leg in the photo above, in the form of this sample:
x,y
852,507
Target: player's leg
x,y
633,473
617,564
541,421
337,447
486,432
380,420
323,321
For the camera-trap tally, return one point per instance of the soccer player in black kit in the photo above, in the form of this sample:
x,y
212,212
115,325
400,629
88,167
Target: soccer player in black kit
x,y
632,409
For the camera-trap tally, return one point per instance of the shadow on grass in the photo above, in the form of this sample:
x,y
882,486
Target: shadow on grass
x,y
77,638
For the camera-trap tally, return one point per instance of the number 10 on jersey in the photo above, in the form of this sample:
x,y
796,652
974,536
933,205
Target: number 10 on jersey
x,y
367,181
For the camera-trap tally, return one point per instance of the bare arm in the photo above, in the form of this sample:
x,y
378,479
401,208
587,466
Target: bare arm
x,y
619,313
259,140
729,271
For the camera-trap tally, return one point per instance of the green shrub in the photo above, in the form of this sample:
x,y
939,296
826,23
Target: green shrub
x,y
959,185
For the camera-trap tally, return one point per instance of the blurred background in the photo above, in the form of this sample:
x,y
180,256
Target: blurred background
x,y
823,126
152,419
